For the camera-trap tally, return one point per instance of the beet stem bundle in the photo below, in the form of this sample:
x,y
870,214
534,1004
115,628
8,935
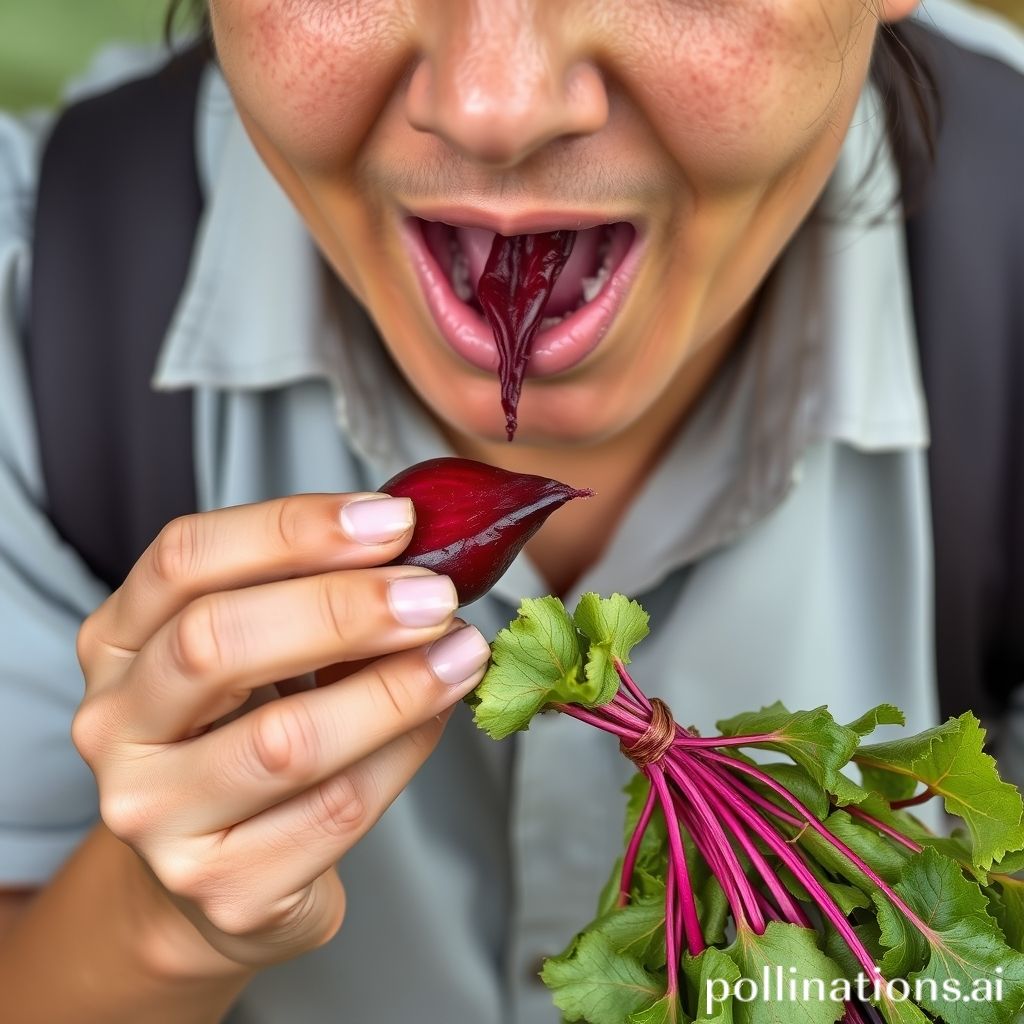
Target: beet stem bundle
x,y
825,880
705,811
821,877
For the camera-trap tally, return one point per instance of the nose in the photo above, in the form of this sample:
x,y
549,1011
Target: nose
x,y
497,81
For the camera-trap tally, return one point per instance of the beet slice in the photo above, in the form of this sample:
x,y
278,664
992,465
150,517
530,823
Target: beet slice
x,y
513,290
472,519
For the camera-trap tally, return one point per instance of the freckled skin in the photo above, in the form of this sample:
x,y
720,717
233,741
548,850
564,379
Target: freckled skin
x,y
714,123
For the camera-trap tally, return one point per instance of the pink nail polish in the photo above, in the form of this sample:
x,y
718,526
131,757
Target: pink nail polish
x,y
377,520
421,601
457,656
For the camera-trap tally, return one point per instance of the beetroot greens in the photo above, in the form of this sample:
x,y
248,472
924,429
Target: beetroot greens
x,y
733,867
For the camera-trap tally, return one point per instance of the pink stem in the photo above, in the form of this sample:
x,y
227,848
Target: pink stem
x,y
768,908
671,938
792,859
891,832
765,779
583,715
852,1015
633,850
619,713
691,922
751,795
707,847
740,881
792,910
695,742
623,700
913,801
627,680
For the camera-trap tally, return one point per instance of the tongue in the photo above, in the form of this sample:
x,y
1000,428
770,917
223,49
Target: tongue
x,y
476,244
514,286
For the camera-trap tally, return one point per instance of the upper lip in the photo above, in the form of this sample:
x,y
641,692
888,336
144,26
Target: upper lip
x,y
516,222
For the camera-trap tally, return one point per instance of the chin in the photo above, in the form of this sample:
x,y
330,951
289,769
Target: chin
x,y
563,416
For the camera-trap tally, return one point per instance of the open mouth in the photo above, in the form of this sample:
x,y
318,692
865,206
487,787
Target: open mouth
x,y
449,260
462,254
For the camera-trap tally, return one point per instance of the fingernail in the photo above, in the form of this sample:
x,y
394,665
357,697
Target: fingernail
x,y
376,520
422,600
457,656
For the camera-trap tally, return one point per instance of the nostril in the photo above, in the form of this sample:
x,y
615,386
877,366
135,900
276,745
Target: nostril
x,y
419,98
586,98
499,114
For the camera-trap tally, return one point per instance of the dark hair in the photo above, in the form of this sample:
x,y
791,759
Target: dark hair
x,y
901,73
913,108
192,14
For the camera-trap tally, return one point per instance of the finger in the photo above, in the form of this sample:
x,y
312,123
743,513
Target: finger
x,y
245,545
331,674
282,850
294,743
208,659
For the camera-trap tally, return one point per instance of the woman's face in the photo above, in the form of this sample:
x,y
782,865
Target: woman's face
x,y
689,137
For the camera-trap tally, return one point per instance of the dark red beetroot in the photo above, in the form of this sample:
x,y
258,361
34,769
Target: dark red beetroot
x,y
473,519
513,290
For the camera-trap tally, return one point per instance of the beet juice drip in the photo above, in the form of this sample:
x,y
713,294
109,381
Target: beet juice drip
x,y
513,290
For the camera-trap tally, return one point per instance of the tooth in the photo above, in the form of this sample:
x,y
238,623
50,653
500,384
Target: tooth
x,y
460,274
593,285
475,245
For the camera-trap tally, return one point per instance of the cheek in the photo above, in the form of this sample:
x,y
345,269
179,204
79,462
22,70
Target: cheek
x,y
312,74
738,91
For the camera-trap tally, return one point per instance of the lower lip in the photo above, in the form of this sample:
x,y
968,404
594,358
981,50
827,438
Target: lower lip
x,y
556,349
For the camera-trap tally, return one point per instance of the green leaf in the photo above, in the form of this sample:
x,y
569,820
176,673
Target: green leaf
x,y
877,852
905,1012
535,661
1006,903
647,885
813,739
613,626
906,949
665,1011
593,983
795,951
835,946
710,979
847,897
609,898
636,930
950,760
965,946
1011,864
712,910
891,785
956,846
797,780
881,714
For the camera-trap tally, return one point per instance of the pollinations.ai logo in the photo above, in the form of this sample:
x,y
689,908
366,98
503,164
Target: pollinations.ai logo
x,y
780,985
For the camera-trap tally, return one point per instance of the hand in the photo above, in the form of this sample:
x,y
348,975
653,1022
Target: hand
x,y
238,786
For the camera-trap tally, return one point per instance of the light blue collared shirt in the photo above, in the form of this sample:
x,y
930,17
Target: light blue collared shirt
x,y
782,547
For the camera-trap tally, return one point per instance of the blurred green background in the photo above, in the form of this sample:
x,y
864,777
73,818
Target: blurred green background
x,y
44,42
